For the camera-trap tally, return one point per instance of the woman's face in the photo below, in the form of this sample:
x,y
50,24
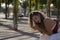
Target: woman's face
x,y
36,18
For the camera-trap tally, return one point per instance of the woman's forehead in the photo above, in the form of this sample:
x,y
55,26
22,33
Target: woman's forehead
x,y
35,13
39,12
34,17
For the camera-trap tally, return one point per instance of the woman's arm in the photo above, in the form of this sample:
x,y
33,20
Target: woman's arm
x,y
43,31
48,25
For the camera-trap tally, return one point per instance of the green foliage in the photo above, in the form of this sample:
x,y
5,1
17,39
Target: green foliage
x,y
18,3
56,3
43,1
25,4
15,4
58,6
29,4
3,1
9,2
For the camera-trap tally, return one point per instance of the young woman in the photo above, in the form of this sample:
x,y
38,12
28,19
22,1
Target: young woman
x,y
45,25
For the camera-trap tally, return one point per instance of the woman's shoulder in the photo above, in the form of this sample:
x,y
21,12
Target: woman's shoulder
x,y
48,22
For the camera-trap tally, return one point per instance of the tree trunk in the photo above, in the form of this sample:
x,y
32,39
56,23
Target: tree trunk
x,y
41,7
24,12
58,16
6,15
30,6
8,11
48,7
0,5
15,15
36,4
58,9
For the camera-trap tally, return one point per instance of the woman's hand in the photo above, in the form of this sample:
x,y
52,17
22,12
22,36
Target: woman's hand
x,y
34,27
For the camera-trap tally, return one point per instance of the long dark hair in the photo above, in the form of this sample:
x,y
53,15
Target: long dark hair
x,y
41,24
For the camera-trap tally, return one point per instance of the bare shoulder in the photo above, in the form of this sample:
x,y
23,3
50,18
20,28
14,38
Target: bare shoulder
x,y
48,22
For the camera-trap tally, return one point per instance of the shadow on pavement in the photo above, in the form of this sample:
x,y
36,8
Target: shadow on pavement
x,y
8,18
23,22
23,34
18,31
7,26
20,21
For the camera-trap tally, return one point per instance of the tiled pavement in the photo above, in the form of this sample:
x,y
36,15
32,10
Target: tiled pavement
x,y
24,33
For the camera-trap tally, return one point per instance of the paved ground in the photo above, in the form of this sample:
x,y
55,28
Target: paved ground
x,y
24,33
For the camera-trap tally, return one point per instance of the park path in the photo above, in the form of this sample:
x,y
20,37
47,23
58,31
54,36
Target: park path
x,y
24,32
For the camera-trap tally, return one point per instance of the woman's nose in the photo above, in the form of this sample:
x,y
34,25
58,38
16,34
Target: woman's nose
x,y
37,20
